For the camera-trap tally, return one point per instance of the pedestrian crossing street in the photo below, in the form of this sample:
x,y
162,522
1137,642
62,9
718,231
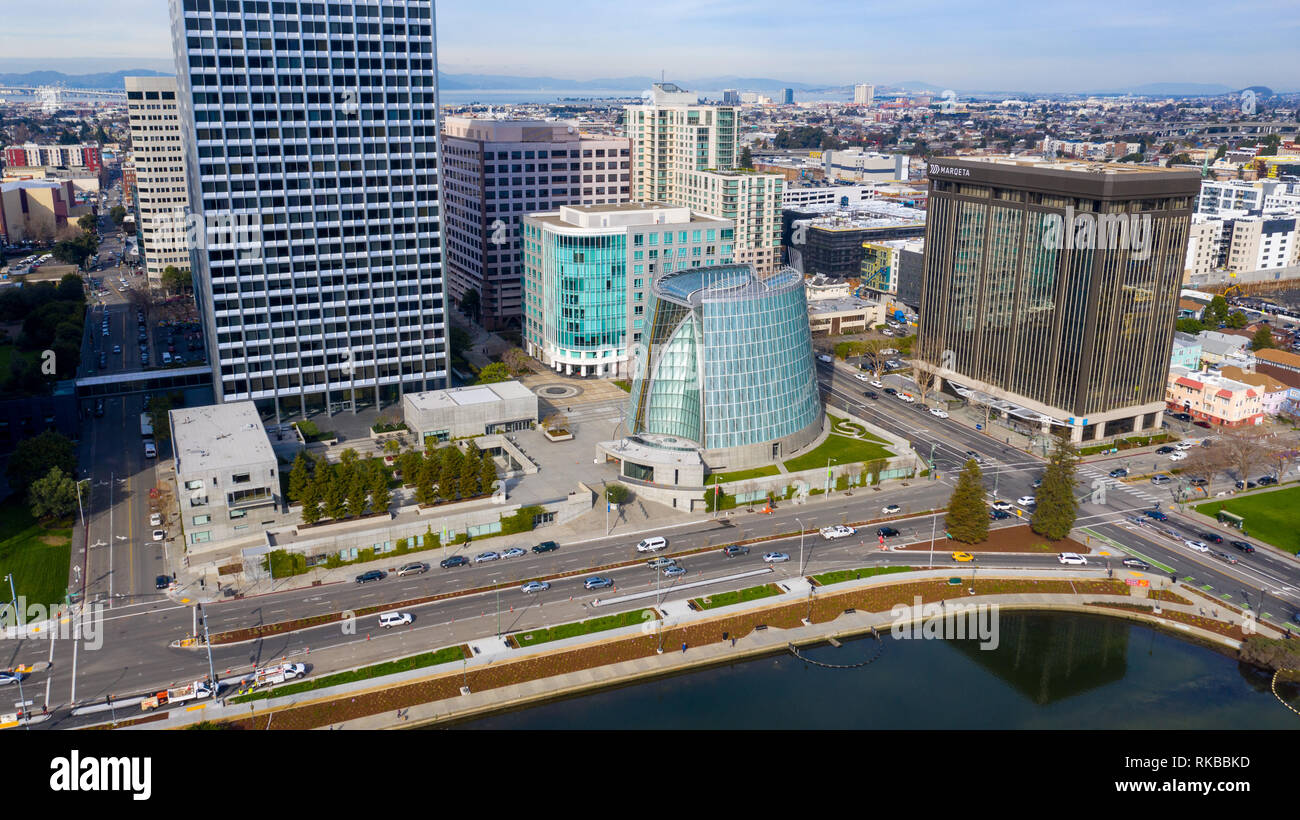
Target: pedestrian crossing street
x,y
1147,493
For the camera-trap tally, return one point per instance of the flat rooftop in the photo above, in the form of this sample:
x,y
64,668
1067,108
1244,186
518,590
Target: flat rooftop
x,y
218,436
468,396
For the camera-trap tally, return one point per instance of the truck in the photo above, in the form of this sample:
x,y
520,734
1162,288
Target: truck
x,y
272,675
190,691
146,426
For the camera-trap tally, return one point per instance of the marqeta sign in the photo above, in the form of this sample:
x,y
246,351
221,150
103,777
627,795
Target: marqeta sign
x,y
948,169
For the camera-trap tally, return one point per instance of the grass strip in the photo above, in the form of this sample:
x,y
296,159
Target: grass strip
x,y
853,574
451,653
587,627
739,596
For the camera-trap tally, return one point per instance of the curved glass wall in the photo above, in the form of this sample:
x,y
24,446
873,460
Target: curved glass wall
x,y
588,304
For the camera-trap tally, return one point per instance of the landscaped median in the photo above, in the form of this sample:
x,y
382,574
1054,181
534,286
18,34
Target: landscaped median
x,y
451,653
840,575
739,596
534,637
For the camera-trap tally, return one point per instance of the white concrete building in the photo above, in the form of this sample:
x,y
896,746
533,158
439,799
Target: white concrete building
x,y
159,159
477,410
857,165
864,94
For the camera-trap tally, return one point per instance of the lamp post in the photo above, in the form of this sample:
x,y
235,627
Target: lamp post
x,y
800,545
829,462
494,583
79,507
934,527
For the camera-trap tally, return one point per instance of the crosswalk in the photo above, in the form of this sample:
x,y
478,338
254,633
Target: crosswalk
x,y
1092,474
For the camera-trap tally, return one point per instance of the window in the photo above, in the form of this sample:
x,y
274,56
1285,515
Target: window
x,y
238,513
201,519
240,478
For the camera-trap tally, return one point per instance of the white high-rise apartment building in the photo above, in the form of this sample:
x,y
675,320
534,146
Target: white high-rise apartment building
x,y
159,160
864,94
311,138
684,153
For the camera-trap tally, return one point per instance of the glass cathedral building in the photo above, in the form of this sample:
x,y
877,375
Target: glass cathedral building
x,y
727,366
1053,286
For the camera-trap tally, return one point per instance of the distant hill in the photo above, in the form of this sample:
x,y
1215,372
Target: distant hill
x,y
106,81
1173,90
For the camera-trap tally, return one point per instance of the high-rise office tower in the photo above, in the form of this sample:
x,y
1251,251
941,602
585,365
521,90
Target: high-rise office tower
x,y
311,137
683,154
787,96
497,171
864,94
1050,289
159,174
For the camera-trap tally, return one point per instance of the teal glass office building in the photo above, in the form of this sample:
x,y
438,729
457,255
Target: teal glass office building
x,y
728,365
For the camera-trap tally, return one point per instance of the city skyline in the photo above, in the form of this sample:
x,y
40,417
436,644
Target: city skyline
x,y
1054,50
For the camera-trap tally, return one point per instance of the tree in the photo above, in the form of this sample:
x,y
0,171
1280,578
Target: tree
x,y
34,457
358,489
118,214
380,497
424,479
1243,448
471,304
1218,309
310,499
470,471
617,493
299,477
1237,320
87,223
968,519
77,250
332,491
746,158
70,288
53,496
175,280
1055,507
487,474
1220,151
517,360
493,373
449,486
1262,339
410,463
873,355
924,381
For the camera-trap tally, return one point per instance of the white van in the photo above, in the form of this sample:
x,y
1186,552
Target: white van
x,y
652,544
149,450
388,619
167,357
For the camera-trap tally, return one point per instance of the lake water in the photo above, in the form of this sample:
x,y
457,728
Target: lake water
x,y
1049,672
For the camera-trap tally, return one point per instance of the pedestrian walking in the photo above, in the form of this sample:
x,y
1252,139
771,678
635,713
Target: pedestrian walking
x,y
683,647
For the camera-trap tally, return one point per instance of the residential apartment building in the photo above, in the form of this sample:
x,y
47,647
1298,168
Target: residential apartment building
x,y
1213,398
1205,247
1261,243
311,138
683,154
1272,392
1076,334
31,155
892,269
496,171
1186,352
1218,196
864,94
158,159
587,277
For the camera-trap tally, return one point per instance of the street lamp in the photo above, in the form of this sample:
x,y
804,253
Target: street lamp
x,y
800,545
829,462
79,507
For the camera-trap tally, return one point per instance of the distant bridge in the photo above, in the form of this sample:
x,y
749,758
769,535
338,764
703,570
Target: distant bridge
x,y
78,92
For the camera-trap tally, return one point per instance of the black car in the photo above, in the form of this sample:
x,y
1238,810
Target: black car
x,y
871,394
372,575
734,550
1245,485
1204,424
162,582
1242,546
546,546
998,515
454,561
1136,564
1211,537
1183,416
891,391
886,532
1166,450
1197,482
1265,480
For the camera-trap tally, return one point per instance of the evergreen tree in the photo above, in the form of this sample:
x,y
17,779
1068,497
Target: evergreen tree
x,y
310,502
410,463
968,518
487,474
1056,507
299,477
425,479
358,489
471,471
379,495
333,493
453,460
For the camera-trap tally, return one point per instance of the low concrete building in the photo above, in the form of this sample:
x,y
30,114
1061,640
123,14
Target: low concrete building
x,y
847,314
476,410
226,473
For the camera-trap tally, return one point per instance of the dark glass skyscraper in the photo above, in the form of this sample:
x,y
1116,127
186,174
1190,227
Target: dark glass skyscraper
x,y
1054,286
311,140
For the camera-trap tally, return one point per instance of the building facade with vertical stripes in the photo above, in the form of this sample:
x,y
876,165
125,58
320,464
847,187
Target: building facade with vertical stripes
x,y
1054,286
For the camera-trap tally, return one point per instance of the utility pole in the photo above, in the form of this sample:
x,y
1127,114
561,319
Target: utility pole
x,y
207,643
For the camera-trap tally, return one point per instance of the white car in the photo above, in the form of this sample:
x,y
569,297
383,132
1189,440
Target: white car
x,y
878,383
652,544
1026,501
1005,506
390,619
1071,558
836,531
822,357
513,552
889,351
484,557
1199,546
155,520
1186,445
1179,456
905,397
862,377
937,413
891,509
159,535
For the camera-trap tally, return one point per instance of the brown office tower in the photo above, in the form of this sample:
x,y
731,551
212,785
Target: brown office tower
x,y
1050,289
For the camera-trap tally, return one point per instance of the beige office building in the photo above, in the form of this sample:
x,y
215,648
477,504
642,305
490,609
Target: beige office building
x,y
159,160
685,154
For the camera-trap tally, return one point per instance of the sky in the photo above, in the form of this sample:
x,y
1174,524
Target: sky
x,y
988,45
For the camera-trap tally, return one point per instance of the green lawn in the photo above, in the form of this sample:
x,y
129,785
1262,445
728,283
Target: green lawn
x,y
737,597
854,574
741,475
601,624
451,653
1272,516
843,449
36,554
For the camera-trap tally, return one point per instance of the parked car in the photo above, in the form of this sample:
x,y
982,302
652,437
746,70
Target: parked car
x,y
891,391
734,550
1243,546
535,586
372,575
1245,485
1177,455
1197,482
546,546
822,357
1265,480
414,568
1072,558
454,561
1002,505
159,535
652,544
775,557
1036,483
999,515
1026,501
1165,450
1160,479
886,532
1204,424
890,509
514,552
391,619
937,413
484,557
596,582
1134,563
155,519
